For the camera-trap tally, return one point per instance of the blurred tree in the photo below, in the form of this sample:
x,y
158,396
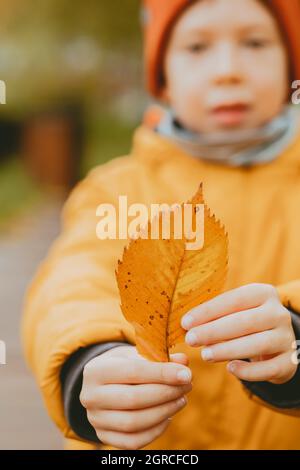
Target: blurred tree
x,y
111,22
54,48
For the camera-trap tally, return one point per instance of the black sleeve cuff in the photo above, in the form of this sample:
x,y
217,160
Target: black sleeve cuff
x,y
287,395
71,380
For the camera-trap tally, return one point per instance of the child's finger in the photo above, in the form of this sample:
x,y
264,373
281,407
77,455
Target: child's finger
x,y
129,397
122,371
233,326
180,358
241,298
267,342
268,370
137,420
131,441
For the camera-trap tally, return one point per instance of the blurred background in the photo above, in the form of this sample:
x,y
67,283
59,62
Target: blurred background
x,y
74,94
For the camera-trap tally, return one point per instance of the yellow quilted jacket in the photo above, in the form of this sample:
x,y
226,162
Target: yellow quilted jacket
x,y
73,301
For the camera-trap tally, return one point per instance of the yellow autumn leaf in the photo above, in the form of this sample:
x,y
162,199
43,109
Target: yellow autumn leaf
x,y
160,279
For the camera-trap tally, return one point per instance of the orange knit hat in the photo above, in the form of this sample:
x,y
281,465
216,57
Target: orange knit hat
x,y
159,16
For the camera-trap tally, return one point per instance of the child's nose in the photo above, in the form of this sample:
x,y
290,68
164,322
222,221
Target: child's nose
x,y
227,66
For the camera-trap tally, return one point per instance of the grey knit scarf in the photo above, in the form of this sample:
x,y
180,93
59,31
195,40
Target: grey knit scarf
x,y
235,148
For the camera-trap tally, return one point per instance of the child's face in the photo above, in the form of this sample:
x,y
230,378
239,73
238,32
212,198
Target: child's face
x,y
226,66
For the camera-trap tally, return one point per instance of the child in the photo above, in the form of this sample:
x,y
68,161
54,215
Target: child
x,y
225,82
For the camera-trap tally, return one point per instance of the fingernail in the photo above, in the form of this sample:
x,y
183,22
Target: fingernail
x,y
191,338
181,401
207,354
231,367
187,322
184,376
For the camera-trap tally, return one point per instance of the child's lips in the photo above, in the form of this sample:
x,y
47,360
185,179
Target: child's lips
x,y
231,114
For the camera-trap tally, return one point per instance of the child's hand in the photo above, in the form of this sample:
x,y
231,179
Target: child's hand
x,y
130,400
245,323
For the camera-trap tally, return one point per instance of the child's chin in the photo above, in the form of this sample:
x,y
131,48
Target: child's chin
x,y
226,128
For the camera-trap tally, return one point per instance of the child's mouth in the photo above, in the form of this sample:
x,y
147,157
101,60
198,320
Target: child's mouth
x,y
230,115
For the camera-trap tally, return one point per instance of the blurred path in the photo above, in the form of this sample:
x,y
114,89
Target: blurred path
x,y
24,423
